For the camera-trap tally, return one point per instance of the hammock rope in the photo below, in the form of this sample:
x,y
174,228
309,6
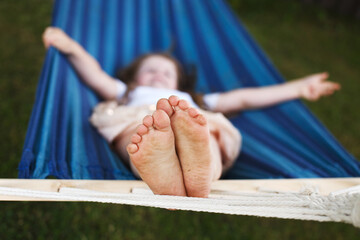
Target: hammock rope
x,y
307,204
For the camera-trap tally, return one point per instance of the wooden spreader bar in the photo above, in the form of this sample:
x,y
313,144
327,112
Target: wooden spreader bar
x,y
323,185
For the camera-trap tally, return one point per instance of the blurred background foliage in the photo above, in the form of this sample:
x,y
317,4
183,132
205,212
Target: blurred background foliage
x,y
299,38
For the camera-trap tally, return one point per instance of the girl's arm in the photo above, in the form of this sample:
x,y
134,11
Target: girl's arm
x,y
85,65
311,88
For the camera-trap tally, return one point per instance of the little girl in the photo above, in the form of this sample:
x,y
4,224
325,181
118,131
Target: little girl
x,y
159,131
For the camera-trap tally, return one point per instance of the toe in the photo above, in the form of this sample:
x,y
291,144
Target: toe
x,y
161,119
183,104
173,100
136,138
132,148
193,112
148,121
164,104
201,119
142,129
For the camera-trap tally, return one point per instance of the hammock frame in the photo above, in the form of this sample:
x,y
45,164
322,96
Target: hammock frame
x,y
324,185
331,200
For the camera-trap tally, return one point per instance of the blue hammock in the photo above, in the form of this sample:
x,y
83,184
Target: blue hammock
x,y
285,141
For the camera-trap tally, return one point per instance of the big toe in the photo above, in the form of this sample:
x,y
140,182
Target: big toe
x,y
164,104
161,120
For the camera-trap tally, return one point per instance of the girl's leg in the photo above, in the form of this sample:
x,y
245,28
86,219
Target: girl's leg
x,y
120,144
215,158
197,149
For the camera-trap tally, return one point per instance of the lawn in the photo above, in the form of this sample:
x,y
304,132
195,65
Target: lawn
x,y
300,39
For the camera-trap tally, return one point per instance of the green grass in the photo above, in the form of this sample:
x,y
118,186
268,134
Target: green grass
x,y
299,39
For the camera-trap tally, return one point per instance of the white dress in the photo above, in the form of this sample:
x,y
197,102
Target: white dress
x,y
111,118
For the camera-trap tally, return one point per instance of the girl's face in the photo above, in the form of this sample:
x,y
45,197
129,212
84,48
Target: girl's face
x,y
157,71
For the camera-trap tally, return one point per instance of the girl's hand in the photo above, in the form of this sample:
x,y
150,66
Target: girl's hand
x,y
315,86
57,38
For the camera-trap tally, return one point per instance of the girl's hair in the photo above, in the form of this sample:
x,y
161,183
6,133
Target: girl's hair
x,y
185,82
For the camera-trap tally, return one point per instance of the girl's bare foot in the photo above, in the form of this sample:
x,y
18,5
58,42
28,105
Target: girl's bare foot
x,y
192,145
152,151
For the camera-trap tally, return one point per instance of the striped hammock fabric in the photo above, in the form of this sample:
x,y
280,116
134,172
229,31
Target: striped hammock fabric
x,y
285,141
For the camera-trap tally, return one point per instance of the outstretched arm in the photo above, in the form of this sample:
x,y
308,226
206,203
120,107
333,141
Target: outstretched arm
x,y
311,88
85,65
